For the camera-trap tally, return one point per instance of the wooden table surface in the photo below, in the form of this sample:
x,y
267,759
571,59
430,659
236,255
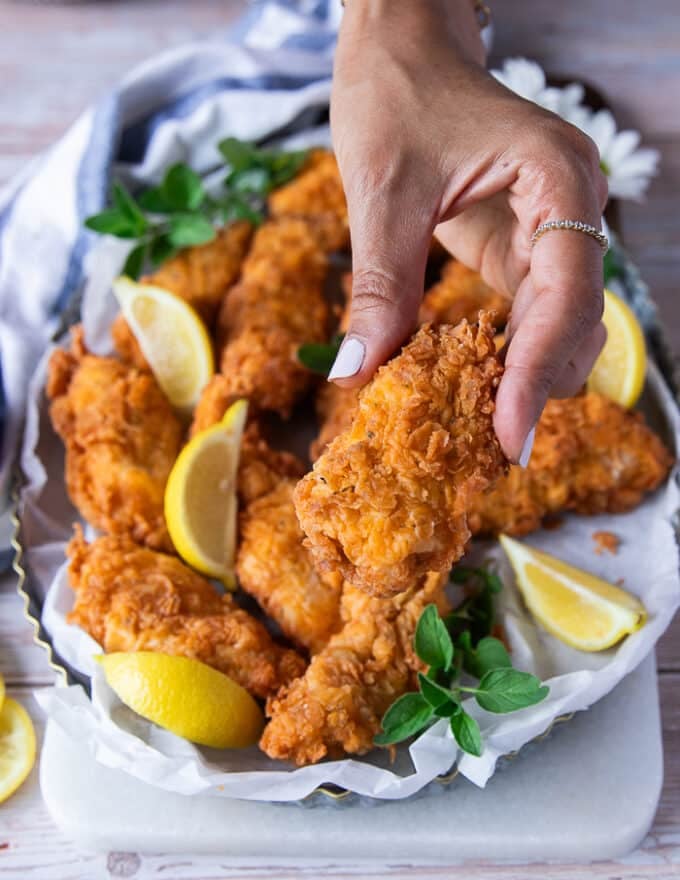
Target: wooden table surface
x,y
55,58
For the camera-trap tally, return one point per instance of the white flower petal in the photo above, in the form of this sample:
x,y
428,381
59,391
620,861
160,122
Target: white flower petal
x,y
602,129
644,162
622,145
522,76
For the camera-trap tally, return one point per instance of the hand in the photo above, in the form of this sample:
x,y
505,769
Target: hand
x,y
427,141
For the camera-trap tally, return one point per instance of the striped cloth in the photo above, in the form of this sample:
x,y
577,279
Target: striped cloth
x,y
268,74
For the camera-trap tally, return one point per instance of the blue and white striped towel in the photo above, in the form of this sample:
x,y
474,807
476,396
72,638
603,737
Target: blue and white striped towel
x,y
271,69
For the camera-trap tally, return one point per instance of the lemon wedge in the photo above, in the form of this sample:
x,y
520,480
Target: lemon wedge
x,y
200,496
17,747
2,690
185,697
619,371
173,339
576,607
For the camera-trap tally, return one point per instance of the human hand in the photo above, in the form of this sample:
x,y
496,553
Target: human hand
x,y
427,141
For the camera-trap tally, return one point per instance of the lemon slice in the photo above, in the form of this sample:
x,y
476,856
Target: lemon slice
x,y
185,697
576,607
17,747
619,371
200,496
2,690
172,337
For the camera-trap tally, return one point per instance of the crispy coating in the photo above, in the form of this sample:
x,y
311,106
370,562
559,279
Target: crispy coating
x,y
387,500
129,598
590,455
277,305
200,275
122,438
336,707
460,294
273,566
261,467
317,195
336,408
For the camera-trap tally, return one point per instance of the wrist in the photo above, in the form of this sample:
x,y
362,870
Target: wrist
x,y
421,22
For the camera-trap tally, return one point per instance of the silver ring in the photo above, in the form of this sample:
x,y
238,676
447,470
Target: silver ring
x,y
574,226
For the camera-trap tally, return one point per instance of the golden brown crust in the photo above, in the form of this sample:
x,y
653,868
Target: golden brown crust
x,y
277,306
122,438
199,275
274,568
317,195
129,598
386,502
336,408
336,707
590,456
461,294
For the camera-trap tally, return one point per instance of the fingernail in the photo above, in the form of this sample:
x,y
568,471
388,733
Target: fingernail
x,y
525,454
349,359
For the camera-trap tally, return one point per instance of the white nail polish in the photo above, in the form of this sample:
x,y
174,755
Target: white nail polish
x,y
525,454
349,359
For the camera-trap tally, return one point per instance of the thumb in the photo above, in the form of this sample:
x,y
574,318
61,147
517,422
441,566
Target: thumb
x,y
390,243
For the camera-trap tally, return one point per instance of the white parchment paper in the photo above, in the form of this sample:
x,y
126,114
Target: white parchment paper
x,y
646,562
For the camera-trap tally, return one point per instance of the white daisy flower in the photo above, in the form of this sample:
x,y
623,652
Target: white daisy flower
x,y
628,169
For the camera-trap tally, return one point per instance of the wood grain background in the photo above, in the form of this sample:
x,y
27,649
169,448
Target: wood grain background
x,y
55,58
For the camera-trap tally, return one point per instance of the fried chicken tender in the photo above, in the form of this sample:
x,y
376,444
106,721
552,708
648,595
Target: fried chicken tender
x,y
387,500
277,305
316,194
273,566
200,275
590,456
336,707
121,437
129,598
336,408
460,294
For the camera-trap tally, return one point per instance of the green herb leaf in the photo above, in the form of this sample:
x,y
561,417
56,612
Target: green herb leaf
x,y
406,716
161,249
489,654
250,180
186,230
239,154
135,261
319,356
447,709
237,208
182,188
612,267
432,640
112,222
153,200
434,693
506,690
284,166
466,731
128,207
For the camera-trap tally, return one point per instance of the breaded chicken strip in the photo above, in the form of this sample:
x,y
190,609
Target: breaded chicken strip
x,y
317,195
273,566
200,275
129,598
122,438
460,294
337,706
277,305
387,500
261,467
590,455
336,408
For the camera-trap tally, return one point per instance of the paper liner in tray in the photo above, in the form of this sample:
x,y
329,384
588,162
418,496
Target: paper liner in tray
x,y
647,562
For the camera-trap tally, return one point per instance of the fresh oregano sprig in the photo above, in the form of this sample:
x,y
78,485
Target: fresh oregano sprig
x,y
180,213
461,642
